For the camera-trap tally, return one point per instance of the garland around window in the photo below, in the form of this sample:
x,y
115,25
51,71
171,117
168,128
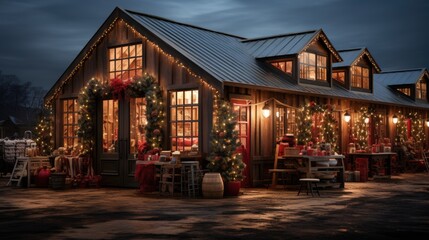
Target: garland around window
x,y
139,86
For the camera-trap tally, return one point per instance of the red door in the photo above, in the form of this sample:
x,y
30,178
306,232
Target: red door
x,y
242,109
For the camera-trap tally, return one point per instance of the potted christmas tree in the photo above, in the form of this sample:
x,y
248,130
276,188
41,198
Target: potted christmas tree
x,y
224,156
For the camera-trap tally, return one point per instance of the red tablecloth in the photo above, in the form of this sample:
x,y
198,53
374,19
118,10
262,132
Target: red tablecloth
x,y
145,175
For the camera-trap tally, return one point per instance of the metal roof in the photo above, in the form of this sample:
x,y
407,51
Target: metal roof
x,y
233,60
351,56
280,45
227,58
348,56
286,44
400,77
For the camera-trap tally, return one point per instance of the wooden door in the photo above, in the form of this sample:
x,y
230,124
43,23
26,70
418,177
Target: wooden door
x,y
122,132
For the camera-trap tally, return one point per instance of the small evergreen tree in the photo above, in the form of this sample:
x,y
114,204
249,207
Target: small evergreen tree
x,y
224,142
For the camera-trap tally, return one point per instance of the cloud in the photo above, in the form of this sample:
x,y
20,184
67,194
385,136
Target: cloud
x,y
41,38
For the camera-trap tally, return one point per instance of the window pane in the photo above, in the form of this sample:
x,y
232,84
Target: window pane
x,y
69,123
132,51
194,96
188,97
184,119
123,62
288,67
195,113
180,98
125,52
311,73
139,50
110,126
311,59
138,122
173,114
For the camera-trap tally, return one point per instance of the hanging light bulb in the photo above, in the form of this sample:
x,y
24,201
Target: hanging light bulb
x,y
266,111
366,120
395,119
427,122
347,117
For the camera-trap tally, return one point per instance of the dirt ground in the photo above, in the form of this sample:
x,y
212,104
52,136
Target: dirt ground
x,y
380,209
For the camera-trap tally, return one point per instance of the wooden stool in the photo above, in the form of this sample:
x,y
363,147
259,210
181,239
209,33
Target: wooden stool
x,y
310,183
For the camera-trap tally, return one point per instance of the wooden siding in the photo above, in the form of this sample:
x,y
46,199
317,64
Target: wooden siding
x,y
169,75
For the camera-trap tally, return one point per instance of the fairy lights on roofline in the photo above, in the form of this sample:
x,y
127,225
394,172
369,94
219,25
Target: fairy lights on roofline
x,y
327,43
173,60
98,41
80,64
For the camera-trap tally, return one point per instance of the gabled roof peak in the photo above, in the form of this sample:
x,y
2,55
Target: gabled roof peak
x,y
352,55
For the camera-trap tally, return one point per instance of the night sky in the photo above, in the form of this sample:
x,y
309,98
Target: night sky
x,y
40,38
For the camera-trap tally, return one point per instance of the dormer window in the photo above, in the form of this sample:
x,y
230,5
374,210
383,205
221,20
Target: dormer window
x,y
406,91
360,77
312,66
284,65
339,76
421,90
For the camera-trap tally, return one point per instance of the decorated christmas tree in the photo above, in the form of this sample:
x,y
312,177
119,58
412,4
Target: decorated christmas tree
x,y
44,138
224,142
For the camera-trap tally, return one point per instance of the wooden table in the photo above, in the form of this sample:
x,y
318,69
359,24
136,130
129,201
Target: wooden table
x,y
308,165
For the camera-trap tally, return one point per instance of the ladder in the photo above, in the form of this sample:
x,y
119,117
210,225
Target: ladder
x,y
19,171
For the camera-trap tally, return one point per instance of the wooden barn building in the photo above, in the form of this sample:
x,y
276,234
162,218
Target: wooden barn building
x,y
307,85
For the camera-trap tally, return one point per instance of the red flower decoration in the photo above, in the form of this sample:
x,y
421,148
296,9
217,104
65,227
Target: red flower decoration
x,y
119,86
156,132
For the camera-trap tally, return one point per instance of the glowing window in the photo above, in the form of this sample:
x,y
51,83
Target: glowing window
x,y
312,66
125,62
70,124
184,118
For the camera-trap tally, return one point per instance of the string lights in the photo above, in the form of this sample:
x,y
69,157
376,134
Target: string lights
x,y
99,40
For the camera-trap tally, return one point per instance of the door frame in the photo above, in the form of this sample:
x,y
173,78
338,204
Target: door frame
x,y
117,169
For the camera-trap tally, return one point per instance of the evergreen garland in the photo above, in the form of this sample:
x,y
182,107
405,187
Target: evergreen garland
x,y
224,142
401,128
417,129
303,124
329,126
360,128
306,121
87,100
145,86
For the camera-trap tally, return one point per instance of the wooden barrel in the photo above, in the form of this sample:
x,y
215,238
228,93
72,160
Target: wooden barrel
x,y
212,185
